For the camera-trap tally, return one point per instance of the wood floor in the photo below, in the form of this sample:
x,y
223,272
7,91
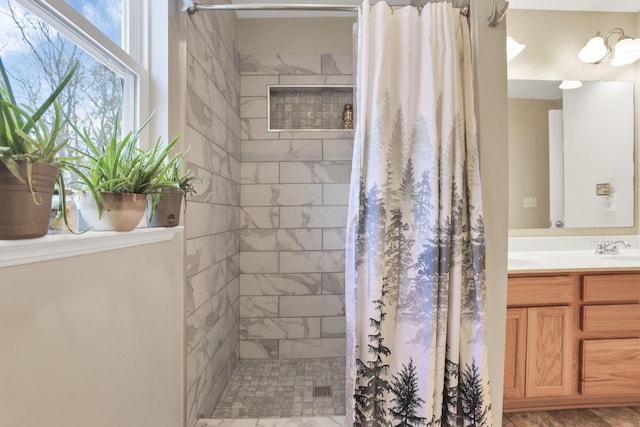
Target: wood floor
x,y
595,417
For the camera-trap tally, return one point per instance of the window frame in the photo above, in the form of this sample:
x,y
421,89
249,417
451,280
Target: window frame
x,y
131,65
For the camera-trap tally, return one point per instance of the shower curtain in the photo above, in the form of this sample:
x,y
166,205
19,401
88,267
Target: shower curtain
x,y
416,346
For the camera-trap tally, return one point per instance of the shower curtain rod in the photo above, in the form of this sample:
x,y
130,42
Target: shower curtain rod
x,y
193,7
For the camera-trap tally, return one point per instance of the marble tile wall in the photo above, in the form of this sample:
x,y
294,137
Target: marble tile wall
x,y
294,190
212,222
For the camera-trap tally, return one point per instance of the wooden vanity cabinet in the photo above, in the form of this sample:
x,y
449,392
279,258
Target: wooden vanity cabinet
x,y
572,340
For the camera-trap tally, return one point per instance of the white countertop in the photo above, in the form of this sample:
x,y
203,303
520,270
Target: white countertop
x,y
572,260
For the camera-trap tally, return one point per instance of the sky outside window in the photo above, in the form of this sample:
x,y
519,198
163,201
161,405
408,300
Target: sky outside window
x,y
37,57
104,14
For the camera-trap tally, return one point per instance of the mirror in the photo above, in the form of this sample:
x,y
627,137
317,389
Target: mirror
x,y
571,154
571,151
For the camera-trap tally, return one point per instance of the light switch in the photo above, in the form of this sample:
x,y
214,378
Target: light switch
x,y
529,202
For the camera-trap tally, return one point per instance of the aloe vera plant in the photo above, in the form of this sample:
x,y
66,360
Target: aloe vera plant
x,y
177,177
117,164
180,178
24,135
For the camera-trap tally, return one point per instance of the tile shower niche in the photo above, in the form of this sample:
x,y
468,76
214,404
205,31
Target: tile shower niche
x,y
307,107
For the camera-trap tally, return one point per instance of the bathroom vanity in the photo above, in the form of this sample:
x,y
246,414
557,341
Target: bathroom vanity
x,y
572,338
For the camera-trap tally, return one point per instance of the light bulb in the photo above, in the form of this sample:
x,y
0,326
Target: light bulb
x,y
626,51
513,48
594,51
570,84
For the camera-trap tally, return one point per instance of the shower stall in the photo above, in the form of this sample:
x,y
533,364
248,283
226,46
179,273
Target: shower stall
x,y
294,191
265,303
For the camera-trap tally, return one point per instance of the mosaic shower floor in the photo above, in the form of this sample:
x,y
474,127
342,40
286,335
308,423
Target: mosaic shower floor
x,y
284,388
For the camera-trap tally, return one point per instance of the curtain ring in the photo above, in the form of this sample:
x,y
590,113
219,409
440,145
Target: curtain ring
x,y
420,9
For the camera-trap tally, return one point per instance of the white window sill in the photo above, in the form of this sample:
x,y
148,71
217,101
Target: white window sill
x,y
55,246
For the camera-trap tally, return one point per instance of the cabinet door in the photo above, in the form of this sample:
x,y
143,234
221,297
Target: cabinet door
x,y
515,353
610,367
549,337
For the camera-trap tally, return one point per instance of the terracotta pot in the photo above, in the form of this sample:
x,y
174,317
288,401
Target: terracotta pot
x,y
121,211
167,212
20,216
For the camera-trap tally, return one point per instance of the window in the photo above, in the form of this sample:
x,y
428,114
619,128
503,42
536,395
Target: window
x,y
40,40
114,62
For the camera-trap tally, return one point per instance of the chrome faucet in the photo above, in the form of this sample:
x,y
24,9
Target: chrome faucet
x,y
610,246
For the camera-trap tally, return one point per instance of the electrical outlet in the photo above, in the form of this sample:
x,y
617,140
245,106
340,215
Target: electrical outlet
x,y
603,189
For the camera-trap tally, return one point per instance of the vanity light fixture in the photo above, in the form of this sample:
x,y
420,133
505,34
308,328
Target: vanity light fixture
x,y
570,84
513,48
597,50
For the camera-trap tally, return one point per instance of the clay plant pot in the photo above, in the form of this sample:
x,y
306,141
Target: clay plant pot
x,y
167,210
121,211
20,216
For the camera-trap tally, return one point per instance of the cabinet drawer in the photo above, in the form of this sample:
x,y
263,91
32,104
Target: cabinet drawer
x,y
611,288
611,318
540,291
610,367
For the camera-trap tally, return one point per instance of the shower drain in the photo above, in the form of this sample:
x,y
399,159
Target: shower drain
x,y
322,391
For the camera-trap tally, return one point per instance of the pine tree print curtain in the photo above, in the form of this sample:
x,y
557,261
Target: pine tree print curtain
x,y
416,352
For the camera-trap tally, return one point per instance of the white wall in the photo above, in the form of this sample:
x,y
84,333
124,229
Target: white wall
x,y
294,36
94,340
